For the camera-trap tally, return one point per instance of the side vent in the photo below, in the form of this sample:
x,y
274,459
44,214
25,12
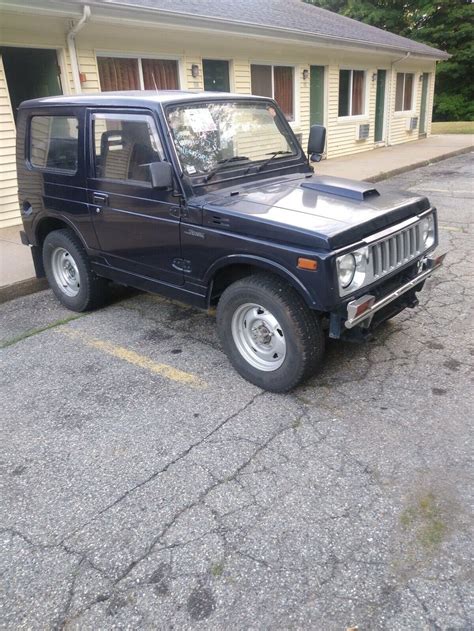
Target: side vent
x,y
412,123
216,220
362,131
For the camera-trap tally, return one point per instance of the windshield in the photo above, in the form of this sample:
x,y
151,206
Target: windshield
x,y
215,136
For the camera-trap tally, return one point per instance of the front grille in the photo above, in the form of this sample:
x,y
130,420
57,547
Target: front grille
x,y
391,253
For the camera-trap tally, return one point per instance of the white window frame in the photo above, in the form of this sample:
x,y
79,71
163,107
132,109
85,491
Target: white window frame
x,y
353,117
272,64
139,57
411,111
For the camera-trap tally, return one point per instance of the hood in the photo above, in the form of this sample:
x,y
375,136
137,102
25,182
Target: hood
x,y
313,211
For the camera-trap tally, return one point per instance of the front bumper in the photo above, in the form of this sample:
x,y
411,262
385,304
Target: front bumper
x,y
362,310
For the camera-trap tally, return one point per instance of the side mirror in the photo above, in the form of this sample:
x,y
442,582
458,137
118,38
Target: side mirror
x,y
161,175
316,142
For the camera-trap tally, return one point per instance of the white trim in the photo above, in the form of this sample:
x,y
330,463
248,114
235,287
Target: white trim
x,y
140,74
139,56
295,121
60,60
136,55
64,75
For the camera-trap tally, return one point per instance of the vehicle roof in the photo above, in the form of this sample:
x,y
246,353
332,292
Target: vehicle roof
x,y
135,98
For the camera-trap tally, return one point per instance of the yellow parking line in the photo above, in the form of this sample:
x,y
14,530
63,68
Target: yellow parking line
x,y
174,374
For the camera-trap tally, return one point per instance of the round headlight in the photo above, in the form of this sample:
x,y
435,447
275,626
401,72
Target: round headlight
x,y
346,267
427,231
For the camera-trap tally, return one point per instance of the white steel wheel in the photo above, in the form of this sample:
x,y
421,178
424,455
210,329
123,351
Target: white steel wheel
x,y
258,336
65,272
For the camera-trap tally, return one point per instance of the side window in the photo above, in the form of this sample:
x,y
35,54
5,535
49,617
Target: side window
x,y
54,143
124,146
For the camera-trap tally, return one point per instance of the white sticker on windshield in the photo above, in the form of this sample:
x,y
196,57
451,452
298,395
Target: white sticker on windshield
x,y
200,120
190,169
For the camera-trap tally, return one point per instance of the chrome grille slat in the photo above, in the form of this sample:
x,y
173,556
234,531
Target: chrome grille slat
x,y
394,251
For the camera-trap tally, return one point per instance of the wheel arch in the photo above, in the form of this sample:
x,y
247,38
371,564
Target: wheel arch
x,y
44,226
48,223
228,269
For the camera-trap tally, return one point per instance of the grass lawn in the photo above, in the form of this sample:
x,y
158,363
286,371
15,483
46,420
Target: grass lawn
x,y
458,127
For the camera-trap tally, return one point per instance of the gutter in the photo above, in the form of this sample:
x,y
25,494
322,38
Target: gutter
x,y
71,45
389,126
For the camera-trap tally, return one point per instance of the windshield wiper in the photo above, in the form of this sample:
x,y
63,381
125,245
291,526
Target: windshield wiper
x,y
273,155
221,164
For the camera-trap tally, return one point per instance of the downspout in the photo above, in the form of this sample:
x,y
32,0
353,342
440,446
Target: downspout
x,y
389,126
71,45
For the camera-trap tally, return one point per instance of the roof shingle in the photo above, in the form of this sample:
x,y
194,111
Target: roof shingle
x,y
291,15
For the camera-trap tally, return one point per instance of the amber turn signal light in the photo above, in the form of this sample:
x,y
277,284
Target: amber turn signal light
x,y
308,264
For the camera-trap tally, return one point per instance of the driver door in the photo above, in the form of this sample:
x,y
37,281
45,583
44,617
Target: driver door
x,y
137,226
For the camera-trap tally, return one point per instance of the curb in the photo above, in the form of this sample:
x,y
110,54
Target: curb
x,y
22,288
417,165
33,285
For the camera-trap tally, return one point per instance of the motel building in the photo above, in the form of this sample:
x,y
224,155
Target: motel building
x,y
369,87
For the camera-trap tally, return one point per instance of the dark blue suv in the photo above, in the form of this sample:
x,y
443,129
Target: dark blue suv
x,y
210,199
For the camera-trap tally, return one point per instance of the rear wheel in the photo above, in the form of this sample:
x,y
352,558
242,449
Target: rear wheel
x,y
268,333
69,274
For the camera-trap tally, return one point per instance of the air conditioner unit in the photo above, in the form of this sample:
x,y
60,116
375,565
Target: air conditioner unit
x,y
412,123
362,131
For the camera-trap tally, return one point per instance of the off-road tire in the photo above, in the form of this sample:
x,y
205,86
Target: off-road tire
x,y
93,290
302,330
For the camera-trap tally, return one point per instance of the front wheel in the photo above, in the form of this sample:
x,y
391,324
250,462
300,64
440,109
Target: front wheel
x,y
268,333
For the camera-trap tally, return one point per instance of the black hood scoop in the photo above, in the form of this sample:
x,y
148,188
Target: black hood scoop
x,y
360,191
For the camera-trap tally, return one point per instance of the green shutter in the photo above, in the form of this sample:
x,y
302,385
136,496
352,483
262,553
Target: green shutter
x,y
316,95
380,105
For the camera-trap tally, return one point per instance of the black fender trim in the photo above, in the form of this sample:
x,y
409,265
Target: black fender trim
x,y
264,264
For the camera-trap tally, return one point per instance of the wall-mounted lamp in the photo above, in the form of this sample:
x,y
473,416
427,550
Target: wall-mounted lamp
x,y
374,77
306,74
195,71
420,78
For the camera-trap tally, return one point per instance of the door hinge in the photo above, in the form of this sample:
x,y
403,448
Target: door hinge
x,y
183,265
178,212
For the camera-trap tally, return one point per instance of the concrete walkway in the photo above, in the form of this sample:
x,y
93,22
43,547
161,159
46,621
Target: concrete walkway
x,y
15,259
379,164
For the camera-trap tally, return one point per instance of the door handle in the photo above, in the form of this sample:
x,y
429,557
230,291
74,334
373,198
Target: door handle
x,y
100,199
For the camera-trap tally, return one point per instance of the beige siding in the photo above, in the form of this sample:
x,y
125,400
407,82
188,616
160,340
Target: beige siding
x,y
241,68
9,209
88,65
399,120
343,131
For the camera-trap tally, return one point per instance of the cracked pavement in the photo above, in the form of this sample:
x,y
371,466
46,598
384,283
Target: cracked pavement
x,y
131,500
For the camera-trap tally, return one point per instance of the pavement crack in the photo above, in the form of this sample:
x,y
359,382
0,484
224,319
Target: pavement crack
x,y
164,469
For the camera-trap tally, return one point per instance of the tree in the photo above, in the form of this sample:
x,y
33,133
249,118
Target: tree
x,y
444,24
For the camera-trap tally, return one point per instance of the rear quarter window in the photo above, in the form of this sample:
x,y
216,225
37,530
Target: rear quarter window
x,y
54,143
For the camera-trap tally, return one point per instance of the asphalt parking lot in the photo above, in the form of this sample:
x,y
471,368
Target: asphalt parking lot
x,y
146,485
